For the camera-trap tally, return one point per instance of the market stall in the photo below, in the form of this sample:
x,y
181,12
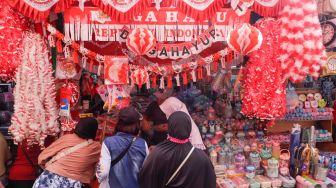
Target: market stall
x,y
258,77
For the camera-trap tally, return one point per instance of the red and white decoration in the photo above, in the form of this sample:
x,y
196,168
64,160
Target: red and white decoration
x,y
302,51
39,10
245,39
268,8
199,9
139,76
121,10
264,88
140,41
35,109
116,70
12,26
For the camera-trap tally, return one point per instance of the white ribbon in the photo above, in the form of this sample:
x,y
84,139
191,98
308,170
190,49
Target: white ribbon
x,y
162,86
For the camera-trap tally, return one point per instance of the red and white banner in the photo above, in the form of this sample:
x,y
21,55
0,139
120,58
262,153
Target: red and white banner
x,y
167,24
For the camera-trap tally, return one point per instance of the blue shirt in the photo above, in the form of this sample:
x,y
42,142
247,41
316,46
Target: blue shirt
x,y
125,173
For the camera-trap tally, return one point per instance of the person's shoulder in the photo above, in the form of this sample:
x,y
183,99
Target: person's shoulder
x,y
201,154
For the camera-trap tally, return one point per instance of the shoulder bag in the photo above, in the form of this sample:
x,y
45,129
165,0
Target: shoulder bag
x,y
123,153
181,165
37,169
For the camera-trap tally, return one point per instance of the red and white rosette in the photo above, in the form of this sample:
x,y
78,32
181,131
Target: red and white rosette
x,y
139,76
140,41
121,10
245,39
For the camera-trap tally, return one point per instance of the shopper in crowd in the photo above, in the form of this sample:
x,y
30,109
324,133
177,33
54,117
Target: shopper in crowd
x,y
165,166
122,155
25,168
70,161
5,155
173,104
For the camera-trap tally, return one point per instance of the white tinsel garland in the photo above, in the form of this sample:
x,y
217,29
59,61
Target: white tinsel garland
x,y
35,115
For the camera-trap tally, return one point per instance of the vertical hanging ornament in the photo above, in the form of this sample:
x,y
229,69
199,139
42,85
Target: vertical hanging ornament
x,y
193,66
170,81
148,86
91,66
177,70
223,62
200,72
59,46
84,62
162,85
67,53
99,69
208,69
153,79
215,66
51,40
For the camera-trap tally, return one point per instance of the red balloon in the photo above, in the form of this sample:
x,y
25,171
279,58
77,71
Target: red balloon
x,y
245,39
140,41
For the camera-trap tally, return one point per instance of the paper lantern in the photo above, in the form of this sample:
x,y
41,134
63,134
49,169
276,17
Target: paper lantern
x,y
245,39
139,77
140,41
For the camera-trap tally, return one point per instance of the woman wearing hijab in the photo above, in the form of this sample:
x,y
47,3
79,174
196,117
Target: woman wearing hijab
x,y
71,160
171,105
175,162
123,154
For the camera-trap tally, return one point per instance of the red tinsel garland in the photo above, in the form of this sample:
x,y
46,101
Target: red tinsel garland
x,y
302,51
264,88
12,26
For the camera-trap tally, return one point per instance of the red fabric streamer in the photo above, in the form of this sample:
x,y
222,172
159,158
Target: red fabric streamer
x,y
91,66
12,26
169,82
264,88
59,47
200,73
215,66
153,79
75,56
302,51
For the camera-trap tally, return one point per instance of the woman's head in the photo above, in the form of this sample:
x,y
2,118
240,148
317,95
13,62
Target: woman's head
x,y
87,128
128,121
179,125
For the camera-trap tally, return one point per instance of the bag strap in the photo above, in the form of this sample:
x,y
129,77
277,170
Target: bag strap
x,y
28,158
69,151
123,153
181,165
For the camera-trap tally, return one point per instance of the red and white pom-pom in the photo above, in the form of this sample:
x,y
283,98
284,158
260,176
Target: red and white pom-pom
x,y
302,51
67,123
264,88
140,41
35,109
139,76
12,26
245,39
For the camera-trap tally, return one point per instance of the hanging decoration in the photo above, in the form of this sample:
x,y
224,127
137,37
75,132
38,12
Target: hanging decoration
x,y
118,97
116,70
121,10
268,8
35,109
302,51
264,88
167,24
199,9
245,39
139,77
12,26
241,6
140,41
152,67
39,10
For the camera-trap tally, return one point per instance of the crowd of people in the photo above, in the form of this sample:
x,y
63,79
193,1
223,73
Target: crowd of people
x,y
161,148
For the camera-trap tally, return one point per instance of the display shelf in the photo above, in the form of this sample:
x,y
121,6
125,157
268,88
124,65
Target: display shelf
x,y
315,119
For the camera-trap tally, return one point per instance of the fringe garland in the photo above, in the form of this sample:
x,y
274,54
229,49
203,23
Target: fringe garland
x,y
207,13
268,11
33,12
117,15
